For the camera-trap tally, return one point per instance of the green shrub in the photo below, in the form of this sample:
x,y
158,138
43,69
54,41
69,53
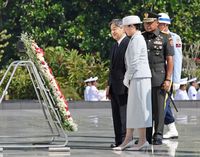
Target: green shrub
x,y
21,85
71,69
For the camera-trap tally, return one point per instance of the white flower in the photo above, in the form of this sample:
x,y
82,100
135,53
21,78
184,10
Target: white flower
x,y
36,54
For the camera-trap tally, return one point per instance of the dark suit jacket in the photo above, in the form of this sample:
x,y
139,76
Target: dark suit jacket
x,y
117,68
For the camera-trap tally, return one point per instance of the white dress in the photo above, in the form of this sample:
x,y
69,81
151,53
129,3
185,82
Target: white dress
x,y
192,93
139,106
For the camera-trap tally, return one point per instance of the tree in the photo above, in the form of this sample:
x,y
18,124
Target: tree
x,y
3,42
83,25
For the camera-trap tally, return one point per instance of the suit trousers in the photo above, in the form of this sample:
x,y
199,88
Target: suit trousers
x,y
119,105
158,99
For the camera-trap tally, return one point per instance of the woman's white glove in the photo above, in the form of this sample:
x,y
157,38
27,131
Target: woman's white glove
x,y
126,82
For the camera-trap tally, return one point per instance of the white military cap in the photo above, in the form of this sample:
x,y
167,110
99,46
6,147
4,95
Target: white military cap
x,y
164,18
182,82
88,80
132,19
94,79
192,80
184,79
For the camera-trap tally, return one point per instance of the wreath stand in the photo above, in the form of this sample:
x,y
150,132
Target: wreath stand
x,y
57,140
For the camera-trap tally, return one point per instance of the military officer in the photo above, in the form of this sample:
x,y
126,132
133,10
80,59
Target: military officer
x,y
192,91
160,55
164,22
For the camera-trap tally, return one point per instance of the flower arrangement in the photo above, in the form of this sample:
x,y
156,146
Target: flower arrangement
x,y
36,54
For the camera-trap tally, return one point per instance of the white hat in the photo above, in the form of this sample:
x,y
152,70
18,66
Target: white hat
x,y
88,80
198,82
192,80
164,18
133,19
94,79
184,81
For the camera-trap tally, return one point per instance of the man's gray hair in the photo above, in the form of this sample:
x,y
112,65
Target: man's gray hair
x,y
117,22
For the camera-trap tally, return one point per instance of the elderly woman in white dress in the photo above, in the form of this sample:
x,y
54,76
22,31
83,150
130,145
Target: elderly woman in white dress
x,y
138,80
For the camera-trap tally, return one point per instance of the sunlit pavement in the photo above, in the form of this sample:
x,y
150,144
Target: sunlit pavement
x,y
95,132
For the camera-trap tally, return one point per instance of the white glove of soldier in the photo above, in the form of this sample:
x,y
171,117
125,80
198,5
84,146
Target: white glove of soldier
x,y
176,86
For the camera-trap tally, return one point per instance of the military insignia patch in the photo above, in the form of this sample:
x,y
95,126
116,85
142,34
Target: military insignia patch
x,y
178,43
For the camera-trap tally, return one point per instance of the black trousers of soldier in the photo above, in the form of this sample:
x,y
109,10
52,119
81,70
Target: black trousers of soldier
x,y
158,99
119,105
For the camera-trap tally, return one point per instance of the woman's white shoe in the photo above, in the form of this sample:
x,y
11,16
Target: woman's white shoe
x,y
130,144
144,146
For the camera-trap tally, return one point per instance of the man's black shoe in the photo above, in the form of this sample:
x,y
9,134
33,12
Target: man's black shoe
x,y
157,141
113,145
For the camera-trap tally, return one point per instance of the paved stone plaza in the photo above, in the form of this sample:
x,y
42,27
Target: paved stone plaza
x,y
95,132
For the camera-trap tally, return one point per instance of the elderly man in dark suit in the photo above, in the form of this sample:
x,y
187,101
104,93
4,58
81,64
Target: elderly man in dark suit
x,y
116,91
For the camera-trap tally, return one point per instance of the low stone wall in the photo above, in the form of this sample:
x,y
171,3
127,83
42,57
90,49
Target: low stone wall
x,y
34,104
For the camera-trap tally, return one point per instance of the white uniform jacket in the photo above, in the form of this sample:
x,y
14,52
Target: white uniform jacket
x,y
198,94
181,95
177,58
94,94
192,93
86,93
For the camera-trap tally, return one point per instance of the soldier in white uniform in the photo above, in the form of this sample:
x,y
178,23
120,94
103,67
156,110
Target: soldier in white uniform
x,y
198,93
192,92
87,87
94,94
181,93
164,22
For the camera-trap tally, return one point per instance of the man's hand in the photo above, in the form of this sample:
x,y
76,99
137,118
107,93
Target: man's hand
x,y
166,85
108,96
